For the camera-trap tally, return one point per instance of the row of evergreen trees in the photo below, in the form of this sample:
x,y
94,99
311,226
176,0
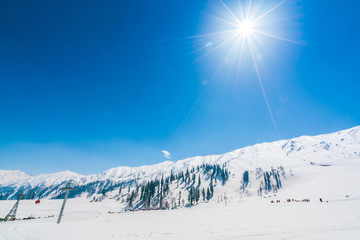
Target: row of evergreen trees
x,y
149,193
245,180
216,172
268,185
152,193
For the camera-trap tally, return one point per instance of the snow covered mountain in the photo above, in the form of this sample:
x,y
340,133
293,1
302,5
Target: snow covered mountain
x,y
8,177
259,170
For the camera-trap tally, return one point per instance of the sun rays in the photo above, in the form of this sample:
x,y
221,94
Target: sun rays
x,y
243,29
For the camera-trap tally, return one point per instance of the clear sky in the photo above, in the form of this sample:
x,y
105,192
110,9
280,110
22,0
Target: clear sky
x,y
91,85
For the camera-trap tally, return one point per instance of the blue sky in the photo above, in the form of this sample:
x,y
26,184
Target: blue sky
x,y
90,85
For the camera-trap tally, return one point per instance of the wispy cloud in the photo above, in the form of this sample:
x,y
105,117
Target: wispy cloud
x,y
166,154
208,44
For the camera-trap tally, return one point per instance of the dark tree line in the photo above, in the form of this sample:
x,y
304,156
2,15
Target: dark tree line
x,y
153,192
267,184
194,195
245,180
216,172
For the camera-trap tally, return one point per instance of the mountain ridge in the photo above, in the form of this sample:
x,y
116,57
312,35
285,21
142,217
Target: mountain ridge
x,y
355,129
272,158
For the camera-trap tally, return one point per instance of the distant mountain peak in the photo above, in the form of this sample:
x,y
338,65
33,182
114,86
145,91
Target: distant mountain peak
x,y
280,159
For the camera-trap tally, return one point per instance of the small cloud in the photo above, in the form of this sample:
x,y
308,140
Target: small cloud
x,y
208,44
166,154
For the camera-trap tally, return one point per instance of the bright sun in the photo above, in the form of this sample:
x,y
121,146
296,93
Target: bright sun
x,y
245,28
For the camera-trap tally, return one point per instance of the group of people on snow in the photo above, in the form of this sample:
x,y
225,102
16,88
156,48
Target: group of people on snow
x,y
296,200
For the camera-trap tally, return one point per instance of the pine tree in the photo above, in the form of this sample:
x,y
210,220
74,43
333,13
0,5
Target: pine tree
x,y
190,196
172,177
160,196
245,178
208,194
197,195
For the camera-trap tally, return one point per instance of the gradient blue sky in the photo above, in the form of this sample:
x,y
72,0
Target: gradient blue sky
x,y
91,85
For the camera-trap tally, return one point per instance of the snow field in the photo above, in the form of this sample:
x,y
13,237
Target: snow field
x,y
249,218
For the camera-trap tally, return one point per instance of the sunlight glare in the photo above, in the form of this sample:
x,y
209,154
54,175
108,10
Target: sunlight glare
x,y
245,28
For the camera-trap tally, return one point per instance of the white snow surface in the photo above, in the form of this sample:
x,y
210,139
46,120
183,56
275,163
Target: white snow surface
x,y
324,166
8,177
329,149
242,218
18,178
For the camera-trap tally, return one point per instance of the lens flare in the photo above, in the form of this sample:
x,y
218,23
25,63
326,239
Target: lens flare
x,y
243,28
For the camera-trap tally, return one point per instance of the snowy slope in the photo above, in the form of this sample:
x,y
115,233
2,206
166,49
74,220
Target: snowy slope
x,y
8,177
295,161
252,219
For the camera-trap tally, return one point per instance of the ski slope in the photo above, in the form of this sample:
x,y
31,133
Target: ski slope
x,y
325,166
309,152
249,218
253,217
